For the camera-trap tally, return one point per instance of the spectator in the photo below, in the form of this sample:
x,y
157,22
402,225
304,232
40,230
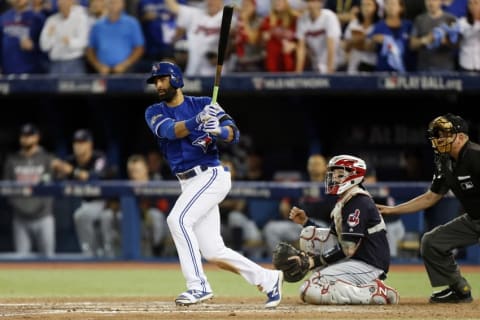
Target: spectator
x,y
153,221
278,37
390,39
318,33
249,51
202,29
93,226
435,50
469,59
359,59
33,219
276,231
158,26
116,42
64,36
20,29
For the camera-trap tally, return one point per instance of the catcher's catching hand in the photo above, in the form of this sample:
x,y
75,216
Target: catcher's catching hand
x,y
294,263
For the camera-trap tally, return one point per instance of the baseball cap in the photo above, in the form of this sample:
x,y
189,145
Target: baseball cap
x,y
459,124
82,135
29,129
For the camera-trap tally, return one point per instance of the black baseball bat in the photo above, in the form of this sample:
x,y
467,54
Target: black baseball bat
x,y
222,46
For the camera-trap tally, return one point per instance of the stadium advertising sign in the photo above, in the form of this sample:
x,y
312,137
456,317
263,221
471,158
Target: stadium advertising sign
x,y
421,82
282,83
82,86
84,190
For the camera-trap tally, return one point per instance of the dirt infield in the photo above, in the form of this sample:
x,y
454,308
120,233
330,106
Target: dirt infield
x,y
123,308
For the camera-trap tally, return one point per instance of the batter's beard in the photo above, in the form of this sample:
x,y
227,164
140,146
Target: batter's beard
x,y
168,95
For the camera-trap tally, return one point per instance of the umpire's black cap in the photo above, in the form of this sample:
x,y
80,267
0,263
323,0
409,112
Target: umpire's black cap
x,y
459,124
29,129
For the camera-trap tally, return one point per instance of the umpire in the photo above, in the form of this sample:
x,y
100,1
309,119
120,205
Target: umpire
x,y
457,168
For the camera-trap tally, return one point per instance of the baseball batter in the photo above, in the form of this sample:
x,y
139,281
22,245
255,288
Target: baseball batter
x,y
187,129
351,258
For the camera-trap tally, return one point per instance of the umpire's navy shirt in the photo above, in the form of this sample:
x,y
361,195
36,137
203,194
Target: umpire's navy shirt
x,y
462,177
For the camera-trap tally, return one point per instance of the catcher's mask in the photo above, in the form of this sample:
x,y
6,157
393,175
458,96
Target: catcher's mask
x,y
166,68
443,130
344,172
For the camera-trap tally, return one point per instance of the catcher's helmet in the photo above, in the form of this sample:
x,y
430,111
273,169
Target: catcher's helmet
x,y
354,170
165,68
443,130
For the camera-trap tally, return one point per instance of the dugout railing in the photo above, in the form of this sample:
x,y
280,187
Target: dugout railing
x,y
129,192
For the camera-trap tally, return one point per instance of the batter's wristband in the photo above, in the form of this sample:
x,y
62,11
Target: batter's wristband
x,y
224,133
191,124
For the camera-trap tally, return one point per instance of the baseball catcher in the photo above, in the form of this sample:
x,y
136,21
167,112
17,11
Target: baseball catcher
x,y
350,259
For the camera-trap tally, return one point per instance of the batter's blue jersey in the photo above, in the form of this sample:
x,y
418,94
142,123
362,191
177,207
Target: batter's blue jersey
x,y
198,148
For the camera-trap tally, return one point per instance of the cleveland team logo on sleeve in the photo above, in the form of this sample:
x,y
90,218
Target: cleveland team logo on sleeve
x,y
354,218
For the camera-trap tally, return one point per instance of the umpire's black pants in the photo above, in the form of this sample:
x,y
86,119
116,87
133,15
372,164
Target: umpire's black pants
x,y
437,246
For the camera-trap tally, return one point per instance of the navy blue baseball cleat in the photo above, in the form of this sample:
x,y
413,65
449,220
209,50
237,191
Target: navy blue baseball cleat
x,y
192,297
275,295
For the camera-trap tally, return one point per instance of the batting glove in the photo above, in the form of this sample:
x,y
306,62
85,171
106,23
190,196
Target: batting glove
x,y
202,116
214,110
211,126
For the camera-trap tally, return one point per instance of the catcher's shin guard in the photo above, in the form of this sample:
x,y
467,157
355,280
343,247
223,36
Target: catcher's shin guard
x,y
318,290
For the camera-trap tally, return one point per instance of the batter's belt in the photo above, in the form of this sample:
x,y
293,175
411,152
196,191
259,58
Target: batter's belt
x,y
190,173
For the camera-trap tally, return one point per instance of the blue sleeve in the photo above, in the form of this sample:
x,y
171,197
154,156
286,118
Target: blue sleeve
x,y
226,120
161,125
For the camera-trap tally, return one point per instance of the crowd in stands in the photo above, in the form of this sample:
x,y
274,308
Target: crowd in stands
x,y
324,36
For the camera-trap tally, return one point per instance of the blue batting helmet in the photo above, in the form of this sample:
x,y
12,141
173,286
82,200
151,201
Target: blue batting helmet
x,y
165,68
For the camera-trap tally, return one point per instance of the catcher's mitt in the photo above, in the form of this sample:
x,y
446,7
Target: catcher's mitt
x,y
294,263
